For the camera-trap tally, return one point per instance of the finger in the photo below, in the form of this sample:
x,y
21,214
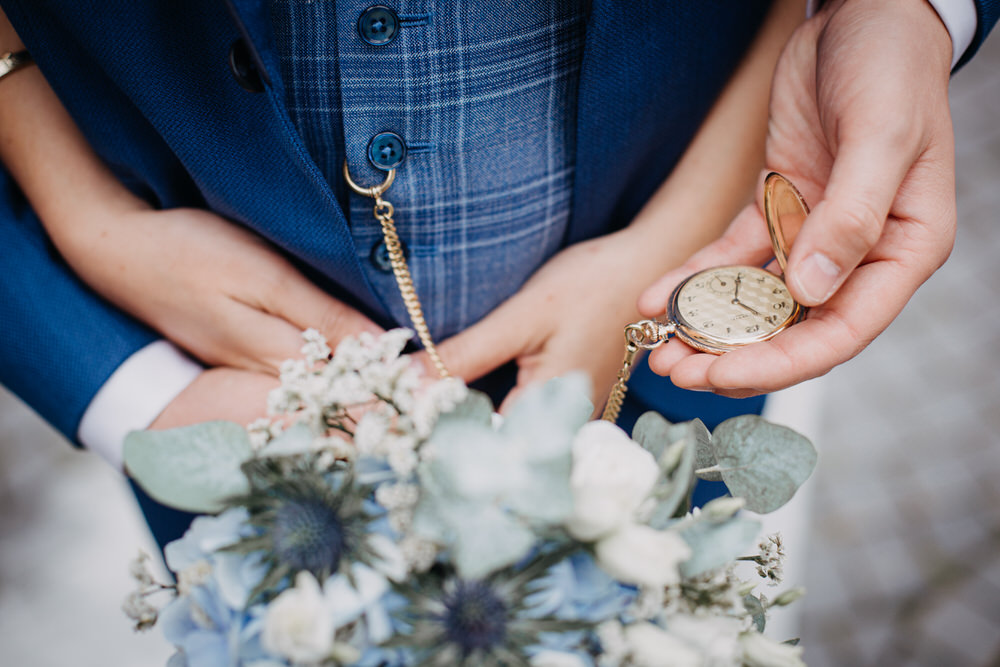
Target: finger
x,y
511,399
832,334
242,337
294,298
663,359
264,341
844,227
493,341
745,242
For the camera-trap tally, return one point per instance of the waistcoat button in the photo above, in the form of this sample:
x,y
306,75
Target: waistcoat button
x,y
378,25
386,150
242,66
380,259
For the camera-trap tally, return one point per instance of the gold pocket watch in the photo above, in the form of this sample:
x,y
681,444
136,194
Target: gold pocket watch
x,y
726,307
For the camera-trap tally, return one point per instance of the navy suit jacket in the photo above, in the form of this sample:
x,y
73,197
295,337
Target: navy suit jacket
x,y
151,87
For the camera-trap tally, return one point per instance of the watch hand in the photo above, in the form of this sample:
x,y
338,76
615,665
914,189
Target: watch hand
x,y
736,294
746,307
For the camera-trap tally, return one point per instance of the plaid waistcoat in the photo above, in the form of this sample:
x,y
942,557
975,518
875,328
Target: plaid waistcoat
x,y
483,94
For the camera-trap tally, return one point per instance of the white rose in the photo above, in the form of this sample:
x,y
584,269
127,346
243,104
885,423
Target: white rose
x,y
611,477
759,651
651,646
642,556
556,659
717,637
299,624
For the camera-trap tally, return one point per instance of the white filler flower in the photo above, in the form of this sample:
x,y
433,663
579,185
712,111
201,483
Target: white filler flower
x,y
611,477
299,624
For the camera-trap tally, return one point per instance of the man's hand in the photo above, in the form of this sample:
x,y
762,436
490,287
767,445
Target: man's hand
x,y
859,121
219,393
206,284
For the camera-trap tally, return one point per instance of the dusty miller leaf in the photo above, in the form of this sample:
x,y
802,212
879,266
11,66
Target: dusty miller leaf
x,y
297,439
477,407
192,468
762,462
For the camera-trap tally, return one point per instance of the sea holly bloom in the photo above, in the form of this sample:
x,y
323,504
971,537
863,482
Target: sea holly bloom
x,y
483,622
304,521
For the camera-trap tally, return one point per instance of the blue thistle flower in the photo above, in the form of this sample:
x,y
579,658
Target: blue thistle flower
x,y
455,622
304,521
474,618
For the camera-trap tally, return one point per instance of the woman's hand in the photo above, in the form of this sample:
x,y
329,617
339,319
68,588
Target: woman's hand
x,y
219,394
569,316
211,287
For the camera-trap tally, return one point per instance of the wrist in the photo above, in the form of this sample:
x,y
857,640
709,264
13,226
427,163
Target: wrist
x,y
918,20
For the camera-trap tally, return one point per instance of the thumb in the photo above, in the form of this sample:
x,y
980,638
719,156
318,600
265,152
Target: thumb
x,y
486,345
838,234
744,242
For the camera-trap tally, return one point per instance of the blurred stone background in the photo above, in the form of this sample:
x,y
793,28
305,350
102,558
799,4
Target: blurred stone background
x,y
903,564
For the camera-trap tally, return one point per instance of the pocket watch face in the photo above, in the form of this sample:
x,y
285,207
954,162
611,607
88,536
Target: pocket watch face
x,y
720,309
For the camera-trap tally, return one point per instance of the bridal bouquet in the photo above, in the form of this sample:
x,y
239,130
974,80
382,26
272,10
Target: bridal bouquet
x,y
381,520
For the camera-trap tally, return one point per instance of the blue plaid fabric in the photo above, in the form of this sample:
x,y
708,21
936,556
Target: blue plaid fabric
x,y
484,95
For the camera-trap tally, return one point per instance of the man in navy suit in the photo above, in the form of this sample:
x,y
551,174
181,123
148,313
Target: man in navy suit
x,y
153,87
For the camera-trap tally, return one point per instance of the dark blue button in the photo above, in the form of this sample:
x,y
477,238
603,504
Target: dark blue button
x,y
380,256
378,25
243,68
386,150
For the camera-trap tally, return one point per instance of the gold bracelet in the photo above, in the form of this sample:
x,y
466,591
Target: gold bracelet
x,y
13,61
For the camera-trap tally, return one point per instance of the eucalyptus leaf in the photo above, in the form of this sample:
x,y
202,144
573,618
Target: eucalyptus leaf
x,y
661,438
192,468
715,544
762,462
756,610
704,453
652,431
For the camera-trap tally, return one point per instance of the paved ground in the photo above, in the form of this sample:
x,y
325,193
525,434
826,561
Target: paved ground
x,y
904,563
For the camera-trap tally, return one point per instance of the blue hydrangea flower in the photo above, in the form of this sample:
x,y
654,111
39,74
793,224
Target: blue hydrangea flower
x,y
210,624
576,588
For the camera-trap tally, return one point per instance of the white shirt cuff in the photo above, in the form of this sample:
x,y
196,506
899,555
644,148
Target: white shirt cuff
x,y
958,16
135,394
961,20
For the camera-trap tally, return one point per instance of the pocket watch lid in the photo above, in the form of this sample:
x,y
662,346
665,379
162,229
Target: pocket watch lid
x,y
785,210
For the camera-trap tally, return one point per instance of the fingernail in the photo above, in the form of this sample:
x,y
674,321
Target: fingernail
x,y
817,277
704,389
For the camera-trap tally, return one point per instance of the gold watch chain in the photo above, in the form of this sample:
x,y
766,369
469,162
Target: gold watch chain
x,y
644,335
383,213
